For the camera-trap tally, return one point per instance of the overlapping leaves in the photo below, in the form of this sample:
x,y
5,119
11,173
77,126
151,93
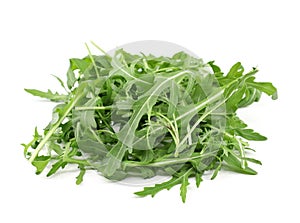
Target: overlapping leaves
x,y
142,115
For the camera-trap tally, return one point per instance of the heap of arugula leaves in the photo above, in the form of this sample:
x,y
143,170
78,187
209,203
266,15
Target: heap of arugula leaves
x,y
168,112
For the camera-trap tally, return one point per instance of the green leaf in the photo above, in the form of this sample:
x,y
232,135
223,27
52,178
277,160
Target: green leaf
x,y
198,178
216,172
144,172
114,159
265,87
235,165
35,139
76,64
234,100
103,61
143,115
173,101
147,156
158,187
48,95
214,67
121,68
71,79
183,187
54,146
250,134
253,160
251,95
63,114
81,64
141,107
180,179
40,163
235,122
55,167
235,71
60,81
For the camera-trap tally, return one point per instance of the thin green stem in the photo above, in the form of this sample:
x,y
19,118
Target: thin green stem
x,y
105,131
77,161
167,69
93,61
99,48
228,134
171,128
54,127
195,126
93,108
166,162
240,145
202,104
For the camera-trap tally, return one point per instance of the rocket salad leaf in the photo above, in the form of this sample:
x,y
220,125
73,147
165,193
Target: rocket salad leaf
x,y
142,115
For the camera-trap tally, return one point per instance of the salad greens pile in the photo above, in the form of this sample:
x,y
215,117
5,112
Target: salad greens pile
x,y
142,115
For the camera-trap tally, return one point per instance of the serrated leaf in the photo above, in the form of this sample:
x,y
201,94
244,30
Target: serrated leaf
x,y
60,81
158,187
35,139
166,185
250,134
55,167
62,115
48,95
183,187
126,134
142,115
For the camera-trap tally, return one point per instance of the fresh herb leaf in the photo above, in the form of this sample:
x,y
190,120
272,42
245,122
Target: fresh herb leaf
x,y
48,95
55,167
181,178
250,135
265,87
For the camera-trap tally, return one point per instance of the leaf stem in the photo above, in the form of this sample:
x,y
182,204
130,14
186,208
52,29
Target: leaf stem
x,y
99,48
166,162
54,127
76,161
93,108
196,124
93,61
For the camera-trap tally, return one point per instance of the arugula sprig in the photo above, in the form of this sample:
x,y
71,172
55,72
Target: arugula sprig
x,y
142,115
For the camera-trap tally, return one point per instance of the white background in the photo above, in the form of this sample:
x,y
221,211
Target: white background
x,y
38,37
